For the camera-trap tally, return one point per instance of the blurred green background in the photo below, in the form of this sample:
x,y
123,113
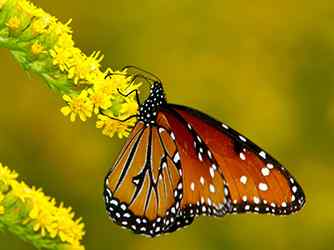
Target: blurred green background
x,y
264,67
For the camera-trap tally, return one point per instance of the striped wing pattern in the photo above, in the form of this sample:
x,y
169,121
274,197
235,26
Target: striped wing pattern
x,y
143,190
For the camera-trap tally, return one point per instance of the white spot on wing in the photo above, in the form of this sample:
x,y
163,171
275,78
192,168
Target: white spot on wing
x,y
242,138
256,200
212,188
294,189
263,186
262,154
212,172
114,202
270,166
243,179
192,186
265,171
224,126
201,180
209,154
176,157
214,166
200,156
172,135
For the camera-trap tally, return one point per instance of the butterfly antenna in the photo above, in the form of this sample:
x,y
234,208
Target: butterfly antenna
x,y
135,77
144,71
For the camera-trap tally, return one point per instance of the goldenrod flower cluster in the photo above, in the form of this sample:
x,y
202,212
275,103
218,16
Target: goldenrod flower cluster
x,y
33,216
43,45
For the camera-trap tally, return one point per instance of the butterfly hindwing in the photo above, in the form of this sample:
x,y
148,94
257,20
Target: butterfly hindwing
x,y
143,190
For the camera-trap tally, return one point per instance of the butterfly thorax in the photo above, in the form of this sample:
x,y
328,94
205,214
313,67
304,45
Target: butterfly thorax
x,y
148,110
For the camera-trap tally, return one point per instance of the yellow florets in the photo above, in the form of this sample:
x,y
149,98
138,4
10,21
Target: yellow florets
x,y
36,48
2,3
20,190
61,57
74,247
111,127
84,68
99,100
44,216
14,23
2,208
6,175
69,230
130,107
78,77
40,25
79,105
29,9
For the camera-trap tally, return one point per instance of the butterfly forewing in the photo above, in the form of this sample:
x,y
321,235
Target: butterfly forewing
x,y
204,189
256,181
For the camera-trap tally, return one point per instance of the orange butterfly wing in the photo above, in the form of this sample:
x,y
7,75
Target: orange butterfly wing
x,y
256,181
204,188
143,190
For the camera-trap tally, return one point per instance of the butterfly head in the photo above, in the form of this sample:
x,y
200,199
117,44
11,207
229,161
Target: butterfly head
x,y
148,110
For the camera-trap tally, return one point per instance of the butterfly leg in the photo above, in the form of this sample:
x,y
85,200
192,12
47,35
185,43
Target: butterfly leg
x,y
120,120
126,95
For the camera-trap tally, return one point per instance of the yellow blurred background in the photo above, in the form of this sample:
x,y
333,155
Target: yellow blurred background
x,y
264,67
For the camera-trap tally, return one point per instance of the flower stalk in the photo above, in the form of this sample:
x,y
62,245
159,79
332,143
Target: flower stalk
x,y
31,215
43,45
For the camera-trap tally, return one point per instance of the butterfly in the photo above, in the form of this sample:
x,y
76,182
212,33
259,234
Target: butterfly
x,y
179,163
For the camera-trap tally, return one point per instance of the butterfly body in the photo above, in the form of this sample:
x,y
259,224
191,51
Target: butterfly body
x,y
149,109
179,163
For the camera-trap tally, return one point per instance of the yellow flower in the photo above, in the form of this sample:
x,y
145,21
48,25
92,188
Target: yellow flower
x,y
74,247
130,107
68,230
79,105
29,9
20,190
115,80
44,222
2,3
61,57
59,28
36,48
84,67
6,175
2,209
99,100
65,41
14,23
39,202
40,25
45,217
56,43
110,127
